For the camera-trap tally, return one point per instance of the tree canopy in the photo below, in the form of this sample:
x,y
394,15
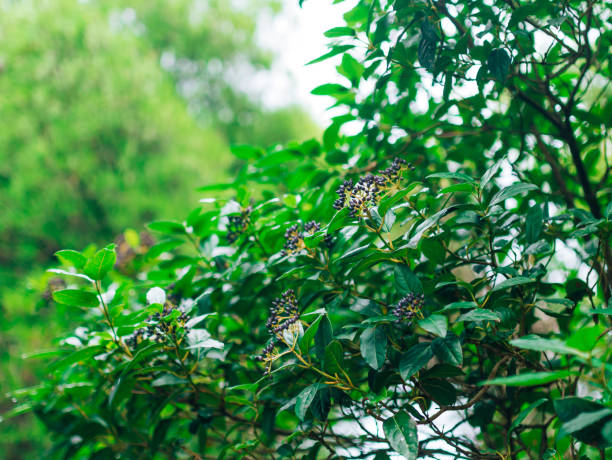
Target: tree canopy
x,y
100,135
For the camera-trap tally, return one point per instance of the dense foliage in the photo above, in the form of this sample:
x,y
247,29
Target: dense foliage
x,y
435,285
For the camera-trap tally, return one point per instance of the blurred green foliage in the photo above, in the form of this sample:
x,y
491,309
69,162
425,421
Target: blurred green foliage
x,y
98,138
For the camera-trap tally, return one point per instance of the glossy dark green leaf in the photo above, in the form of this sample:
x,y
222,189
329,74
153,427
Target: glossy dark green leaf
x,y
579,412
309,335
413,360
511,191
305,399
323,336
498,63
538,343
79,355
401,434
321,403
528,379
442,391
524,413
334,358
481,314
406,281
512,282
373,346
534,222
448,350
428,45
435,324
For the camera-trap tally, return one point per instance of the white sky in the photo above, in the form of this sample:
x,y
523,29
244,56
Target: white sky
x,y
296,37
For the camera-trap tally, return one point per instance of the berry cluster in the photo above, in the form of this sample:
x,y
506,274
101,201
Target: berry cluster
x,y
408,307
284,320
294,237
394,172
238,223
360,196
368,189
159,328
268,355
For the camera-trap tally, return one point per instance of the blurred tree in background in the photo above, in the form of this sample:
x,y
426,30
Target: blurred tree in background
x,y
98,134
209,49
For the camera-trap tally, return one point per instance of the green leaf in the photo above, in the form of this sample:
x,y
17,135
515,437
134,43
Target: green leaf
x,y
427,224
100,264
427,45
321,403
489,174
600,311
339,32
76,298
121,390
464,187
414,359
534,222
329,89
435,324
448,350
498,64
401,434
168,379
341,219
334,358
390,200
388,221
459,306
584,420
70,257
511,282
448,85
351,68
82,354
335,50
167,227
406,281
451,175
524,413
528,379
308,336
510,191
536,343
441,390
481,314
163,246
323,337
305,399
244,152
570,408
373,346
